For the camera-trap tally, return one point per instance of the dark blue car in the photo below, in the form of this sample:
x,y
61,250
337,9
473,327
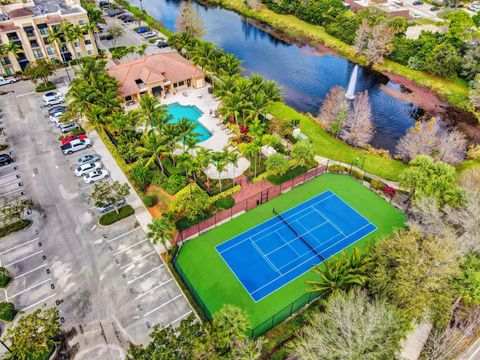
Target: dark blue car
x,y
142,30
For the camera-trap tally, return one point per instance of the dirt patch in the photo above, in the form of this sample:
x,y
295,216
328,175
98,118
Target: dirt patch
x,y
164,200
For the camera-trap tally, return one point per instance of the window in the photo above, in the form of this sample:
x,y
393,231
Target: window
x,y
90,52
37,53
9,71
50,50
43,31
5,61
34,44
79,54
76,44
82,22
88,42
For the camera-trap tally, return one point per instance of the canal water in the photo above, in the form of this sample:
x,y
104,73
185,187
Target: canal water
x,y
305,74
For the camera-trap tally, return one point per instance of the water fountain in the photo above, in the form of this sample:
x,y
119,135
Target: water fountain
x,y
350,94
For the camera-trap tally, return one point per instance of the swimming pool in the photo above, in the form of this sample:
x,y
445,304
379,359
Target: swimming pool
x,y
192,113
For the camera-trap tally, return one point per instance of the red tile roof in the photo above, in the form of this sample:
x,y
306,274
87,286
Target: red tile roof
x,y
152,69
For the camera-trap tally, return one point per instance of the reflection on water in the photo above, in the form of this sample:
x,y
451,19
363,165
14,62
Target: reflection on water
x,y
305,74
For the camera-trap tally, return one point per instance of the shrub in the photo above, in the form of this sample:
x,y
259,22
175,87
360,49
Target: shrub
x,y
113,216
292,173
473,152
388,190
174,184
13,227
171,169
78,131
158,178
184,223
42,88
4,278
141,176
225,203
149,201
337,168
377,184
7,311
192,201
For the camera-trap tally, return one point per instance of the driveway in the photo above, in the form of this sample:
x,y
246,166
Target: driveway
x,y
109,284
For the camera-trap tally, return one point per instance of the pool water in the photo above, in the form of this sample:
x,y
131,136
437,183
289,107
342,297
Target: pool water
x,y
192,113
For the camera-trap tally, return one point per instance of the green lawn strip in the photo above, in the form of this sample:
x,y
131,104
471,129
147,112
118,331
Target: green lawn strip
x,y
454,91
330,147
217,285
14,227
112,216
467,165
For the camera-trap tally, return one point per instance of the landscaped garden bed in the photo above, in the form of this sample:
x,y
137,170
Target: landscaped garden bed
x,y
113,216
7,311
14,227
4,278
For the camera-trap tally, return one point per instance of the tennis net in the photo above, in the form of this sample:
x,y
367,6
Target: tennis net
x,y
299,236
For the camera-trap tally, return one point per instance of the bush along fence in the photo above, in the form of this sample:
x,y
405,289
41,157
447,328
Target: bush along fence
x,y
389,193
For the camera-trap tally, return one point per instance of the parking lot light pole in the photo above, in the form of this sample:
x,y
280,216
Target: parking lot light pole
x,y
6,347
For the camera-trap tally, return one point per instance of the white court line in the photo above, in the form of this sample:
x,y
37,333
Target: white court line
x,y
129,247
25,94
38,302
26,257
28,272
144,274
154,288
263,255
178,319
12,192
119,236
30,288
330,222
159,307
134,261
17,246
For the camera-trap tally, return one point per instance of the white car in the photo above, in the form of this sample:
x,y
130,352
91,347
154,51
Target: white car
x,y
417,16
75,145
53,98
149,35
87,168
65,128
7,80
96,175
475,8
55,118
85,159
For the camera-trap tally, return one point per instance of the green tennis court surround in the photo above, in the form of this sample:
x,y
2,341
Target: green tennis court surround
x,y
214,284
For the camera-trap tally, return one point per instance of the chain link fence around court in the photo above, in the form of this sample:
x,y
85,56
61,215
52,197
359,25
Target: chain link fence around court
x,y
376,184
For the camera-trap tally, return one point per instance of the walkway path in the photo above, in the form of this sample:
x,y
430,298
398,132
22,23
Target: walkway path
x,y
248,189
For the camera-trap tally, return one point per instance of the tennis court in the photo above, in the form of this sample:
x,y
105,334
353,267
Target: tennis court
x,y
279,250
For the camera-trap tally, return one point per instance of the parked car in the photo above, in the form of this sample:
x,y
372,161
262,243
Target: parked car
x,y
417,16
96,175
103,3
87,168
5,159
115,12
53,98
474,8
123,15
149,35
65,128
106,207
142,30
85,159
75,145
161,44
70,138
127,19
55,118
101,28
7,80
434,8
417,2
55,109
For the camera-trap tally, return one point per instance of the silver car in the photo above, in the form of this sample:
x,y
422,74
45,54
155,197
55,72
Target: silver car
x,y
86,159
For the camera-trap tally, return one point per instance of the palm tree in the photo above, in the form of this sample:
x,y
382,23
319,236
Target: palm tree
x,y
340,274
141,50
55,35
258,104
153,114
92,28
171,136
186,127
219,160
229,65
204,56
154,147
232,107
229,326
233,157
115,31
8,48
3,52
204,157
72,33
161,230
226,86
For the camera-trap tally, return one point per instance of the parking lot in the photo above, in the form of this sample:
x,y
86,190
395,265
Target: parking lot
x,y
107,281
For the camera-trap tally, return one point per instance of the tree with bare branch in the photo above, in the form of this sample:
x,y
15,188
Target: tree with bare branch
x,y
359,130
375,42
452,147
420,139
333,111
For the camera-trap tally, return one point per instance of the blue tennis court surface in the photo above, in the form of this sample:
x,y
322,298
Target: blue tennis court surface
x,y
275,252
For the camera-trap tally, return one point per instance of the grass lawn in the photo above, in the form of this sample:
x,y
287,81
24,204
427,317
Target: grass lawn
x,y
216,284
330,147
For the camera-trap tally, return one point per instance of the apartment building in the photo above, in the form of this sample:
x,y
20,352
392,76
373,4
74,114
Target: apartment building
x,y
27,23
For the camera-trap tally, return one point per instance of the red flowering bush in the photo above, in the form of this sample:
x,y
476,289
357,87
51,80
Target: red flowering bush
x,y
388,190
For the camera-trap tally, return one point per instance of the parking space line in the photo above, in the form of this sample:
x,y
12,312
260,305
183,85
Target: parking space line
x,y
159,307
154,288
17,199
11,182
178,319
144,274
17,246
12,192
131,246
14,173
134,261
28,272
25,94
30,288
39,302
86,187
119,236
26,257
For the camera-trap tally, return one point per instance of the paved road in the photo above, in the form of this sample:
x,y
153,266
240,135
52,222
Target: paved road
x,y
109,284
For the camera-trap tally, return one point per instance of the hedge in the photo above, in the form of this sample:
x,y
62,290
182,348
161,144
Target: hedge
x,y
7,311
42,87
14,227
149,201
112,216
290,174
4,278
225,203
